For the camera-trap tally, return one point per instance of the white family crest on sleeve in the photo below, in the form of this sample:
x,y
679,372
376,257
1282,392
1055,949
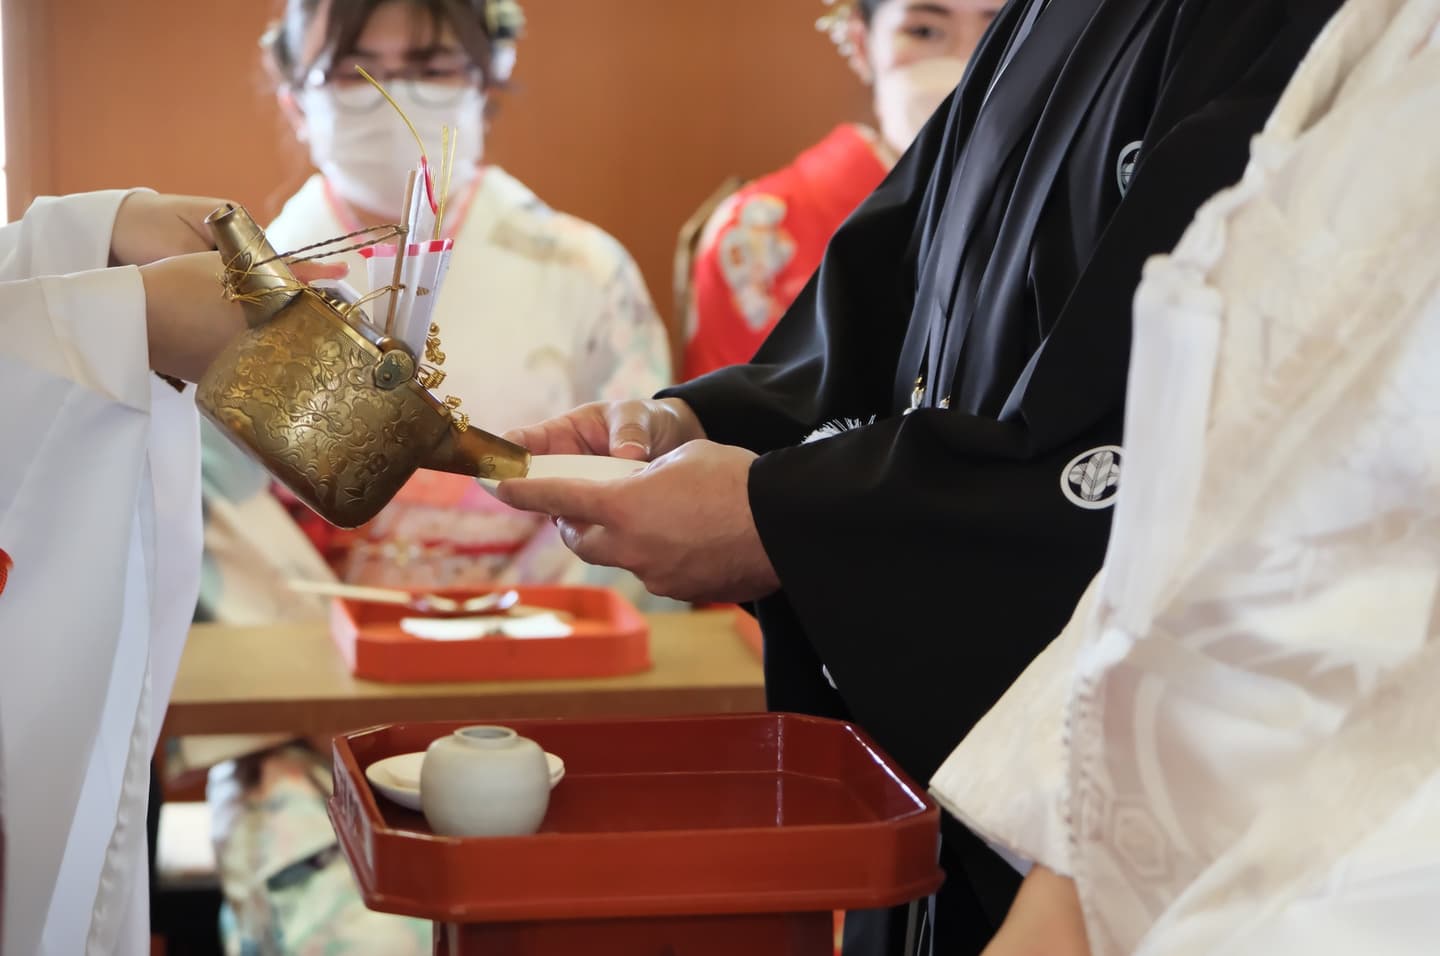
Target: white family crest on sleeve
x,y
1092,479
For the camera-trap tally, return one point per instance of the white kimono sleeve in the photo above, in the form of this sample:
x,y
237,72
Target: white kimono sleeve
x,y
96,499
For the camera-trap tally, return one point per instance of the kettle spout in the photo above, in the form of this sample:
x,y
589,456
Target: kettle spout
x,y
254,273
478,454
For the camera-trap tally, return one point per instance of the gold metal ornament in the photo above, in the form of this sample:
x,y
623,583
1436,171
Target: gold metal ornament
x,y
504,20
334,410
396,365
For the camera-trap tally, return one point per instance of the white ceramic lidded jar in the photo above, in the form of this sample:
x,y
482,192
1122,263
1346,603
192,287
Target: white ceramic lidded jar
x,y
484,781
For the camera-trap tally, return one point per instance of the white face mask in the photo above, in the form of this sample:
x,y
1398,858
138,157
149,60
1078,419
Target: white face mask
x,y
907,96
367,156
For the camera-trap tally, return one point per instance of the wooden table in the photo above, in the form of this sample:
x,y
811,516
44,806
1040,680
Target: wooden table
x,y
290,679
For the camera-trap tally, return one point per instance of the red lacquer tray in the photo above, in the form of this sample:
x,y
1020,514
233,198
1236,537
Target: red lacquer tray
x,y
610,638
656,819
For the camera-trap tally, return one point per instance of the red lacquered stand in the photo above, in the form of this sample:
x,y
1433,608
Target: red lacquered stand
x,y
700,836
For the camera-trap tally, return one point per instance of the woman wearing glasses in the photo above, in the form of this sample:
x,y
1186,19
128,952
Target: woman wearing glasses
x,y
540,311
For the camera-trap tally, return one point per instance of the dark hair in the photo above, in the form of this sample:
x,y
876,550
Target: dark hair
x,y
867,9
346,20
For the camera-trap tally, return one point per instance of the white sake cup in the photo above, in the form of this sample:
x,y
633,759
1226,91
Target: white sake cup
x,y
484,781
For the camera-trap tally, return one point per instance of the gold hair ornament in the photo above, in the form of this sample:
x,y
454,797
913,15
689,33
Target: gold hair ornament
x,y
504,20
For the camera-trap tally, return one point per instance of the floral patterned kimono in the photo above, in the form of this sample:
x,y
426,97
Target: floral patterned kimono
x,y
765,241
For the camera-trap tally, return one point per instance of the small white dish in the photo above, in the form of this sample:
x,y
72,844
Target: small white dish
x,y
397,778
582,467
532,627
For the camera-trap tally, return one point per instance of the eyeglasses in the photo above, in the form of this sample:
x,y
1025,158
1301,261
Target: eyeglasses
x,y
432,84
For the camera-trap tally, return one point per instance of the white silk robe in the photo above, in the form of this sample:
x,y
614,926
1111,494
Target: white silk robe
x,y
100,510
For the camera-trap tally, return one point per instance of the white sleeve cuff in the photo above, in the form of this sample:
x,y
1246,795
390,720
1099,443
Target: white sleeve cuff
x,y
65,234
96,332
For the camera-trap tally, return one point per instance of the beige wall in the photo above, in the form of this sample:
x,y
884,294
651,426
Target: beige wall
x,y
625,112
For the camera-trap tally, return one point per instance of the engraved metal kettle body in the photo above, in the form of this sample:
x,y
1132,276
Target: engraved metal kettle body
x,y
329,406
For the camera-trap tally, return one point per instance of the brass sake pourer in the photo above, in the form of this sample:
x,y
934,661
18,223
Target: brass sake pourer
x,y
330,406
